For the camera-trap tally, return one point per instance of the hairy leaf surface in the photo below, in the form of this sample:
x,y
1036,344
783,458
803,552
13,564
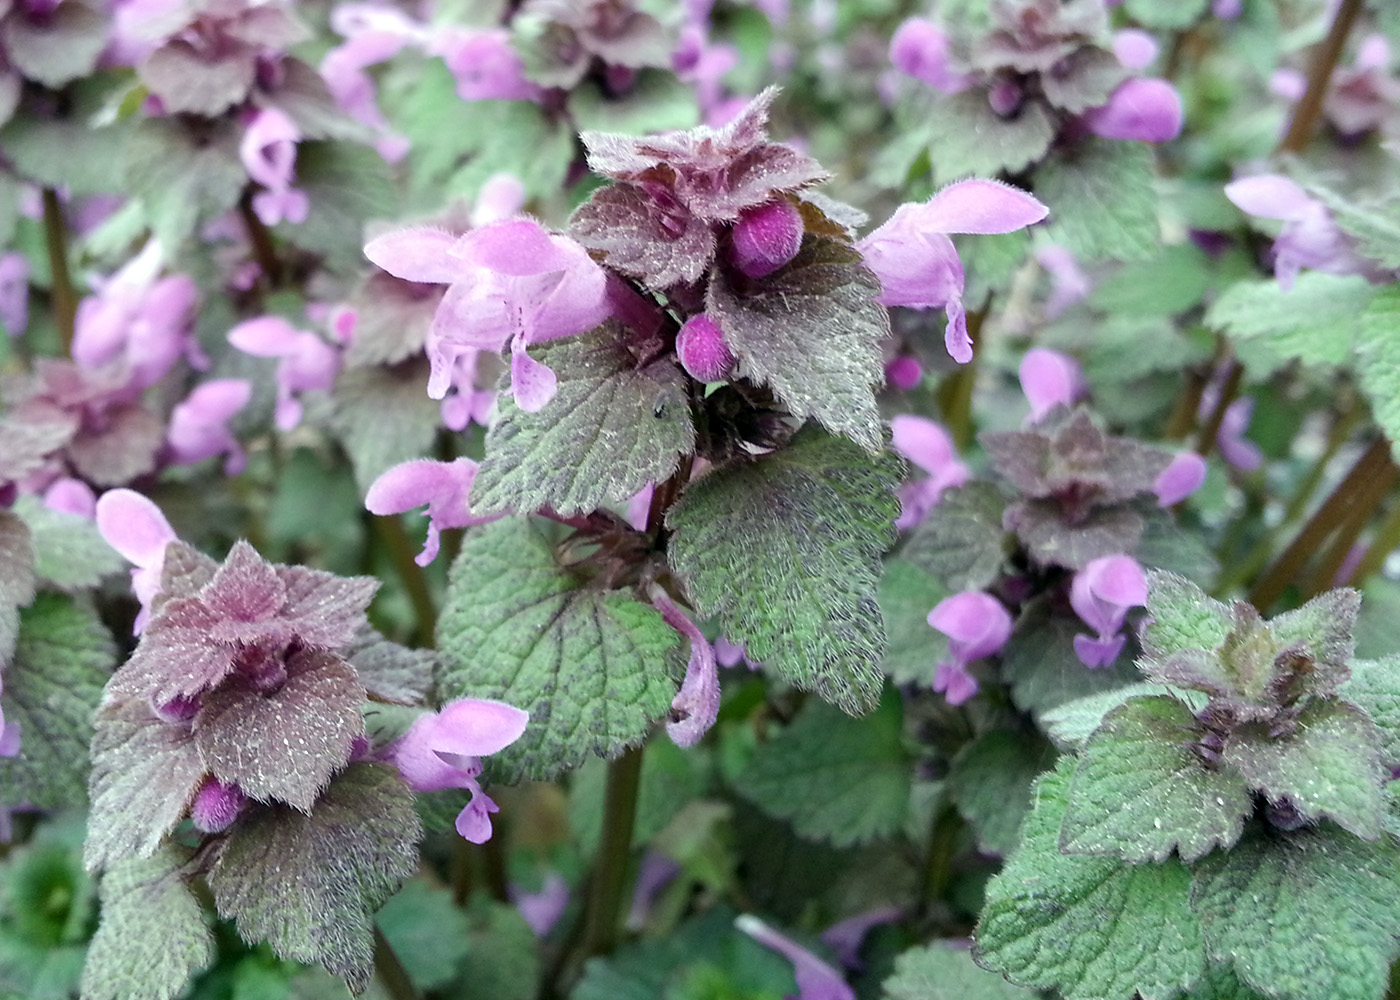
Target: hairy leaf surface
x,y
1103,202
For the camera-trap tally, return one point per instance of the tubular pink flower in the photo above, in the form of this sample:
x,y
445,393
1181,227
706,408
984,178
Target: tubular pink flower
x,y
136,528
1101,594
816,980
1145,109
445,487
703,351
696,705
444,749
199,425
977,625
919,49
485,65
71,496
1309,237
1136,49
918,265
928,446
1180,479
269,152
307,363
1050,379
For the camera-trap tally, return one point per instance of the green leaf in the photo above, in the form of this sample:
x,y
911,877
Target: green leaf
x,y
656,102
70,553
503,954
383,416
611,429
1322,629
1378,361
152,936
307,884
427,931
1042,668
990,782
1140,792
63,152
62,658
965,136
16,578
834,778
1183,617
813,518
59,46
348,184
1313,913
812,332
1103,200
145,772
1221,983
1374,226
1173,281
907,595
590,667
1330,768
1089,927
962,541
1166,546
1314,321
938,972
1375,688
1072,723
1165,17
514,136
182,179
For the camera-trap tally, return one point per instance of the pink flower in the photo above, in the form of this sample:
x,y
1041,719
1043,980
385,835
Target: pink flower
x,y
816,980
919,49
444,749
1068,282
1101,594
1145,109
269,153
199,425
929,447
696,705
1309,237
445,487
485,65
1135,48
1050,379
71,496
136,528
510,283
14,293
977,625
307,363
1180,479
918,265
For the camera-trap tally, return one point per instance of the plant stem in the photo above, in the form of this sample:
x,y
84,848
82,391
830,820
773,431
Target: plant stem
x,y
605,890
395,540
264,250
1188,401
1205,440
1386,539
938,862
460,871
390,971
62,294
1309,107
493,862
1374,465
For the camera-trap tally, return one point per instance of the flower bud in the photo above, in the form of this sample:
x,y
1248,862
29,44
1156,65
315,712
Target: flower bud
x,y
216,805
703,351
767,237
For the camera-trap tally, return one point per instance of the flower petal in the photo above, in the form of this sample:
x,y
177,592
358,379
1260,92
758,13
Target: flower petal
x,y
980,206
417,254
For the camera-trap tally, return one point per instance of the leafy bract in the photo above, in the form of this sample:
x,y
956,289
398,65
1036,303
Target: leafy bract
x,y
145,772
1329,768
1183,617
611,429
1140,792
1072,723
811,331
838,779
1378,361
784,551
59,46
152,936
590,666
1314,913
938,972
961,542
62,658
1089,927
1103,203
1314,321
624,222
965,136
308,884
990,781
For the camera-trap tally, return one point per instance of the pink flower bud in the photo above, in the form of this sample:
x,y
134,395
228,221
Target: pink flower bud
x,y
1050,379
1180,479
703,351
1147,110
904,372
920,49
1101,594
216,805
1005,97
767,237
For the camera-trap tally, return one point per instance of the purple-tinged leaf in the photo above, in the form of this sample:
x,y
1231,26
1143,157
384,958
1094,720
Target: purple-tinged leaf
x,y
284,745
31,432
153,935
812,332
145,772
125,447
382,416
641,239
245,589
1323,629
1084,80
184,573
965,136
964,545
308,885
55,43
391,672
189,80
177,656
1041,526
326,610
1329,768
391,320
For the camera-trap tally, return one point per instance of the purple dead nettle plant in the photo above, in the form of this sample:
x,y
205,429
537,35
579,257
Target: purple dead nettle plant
x,y
1101,594
977,626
